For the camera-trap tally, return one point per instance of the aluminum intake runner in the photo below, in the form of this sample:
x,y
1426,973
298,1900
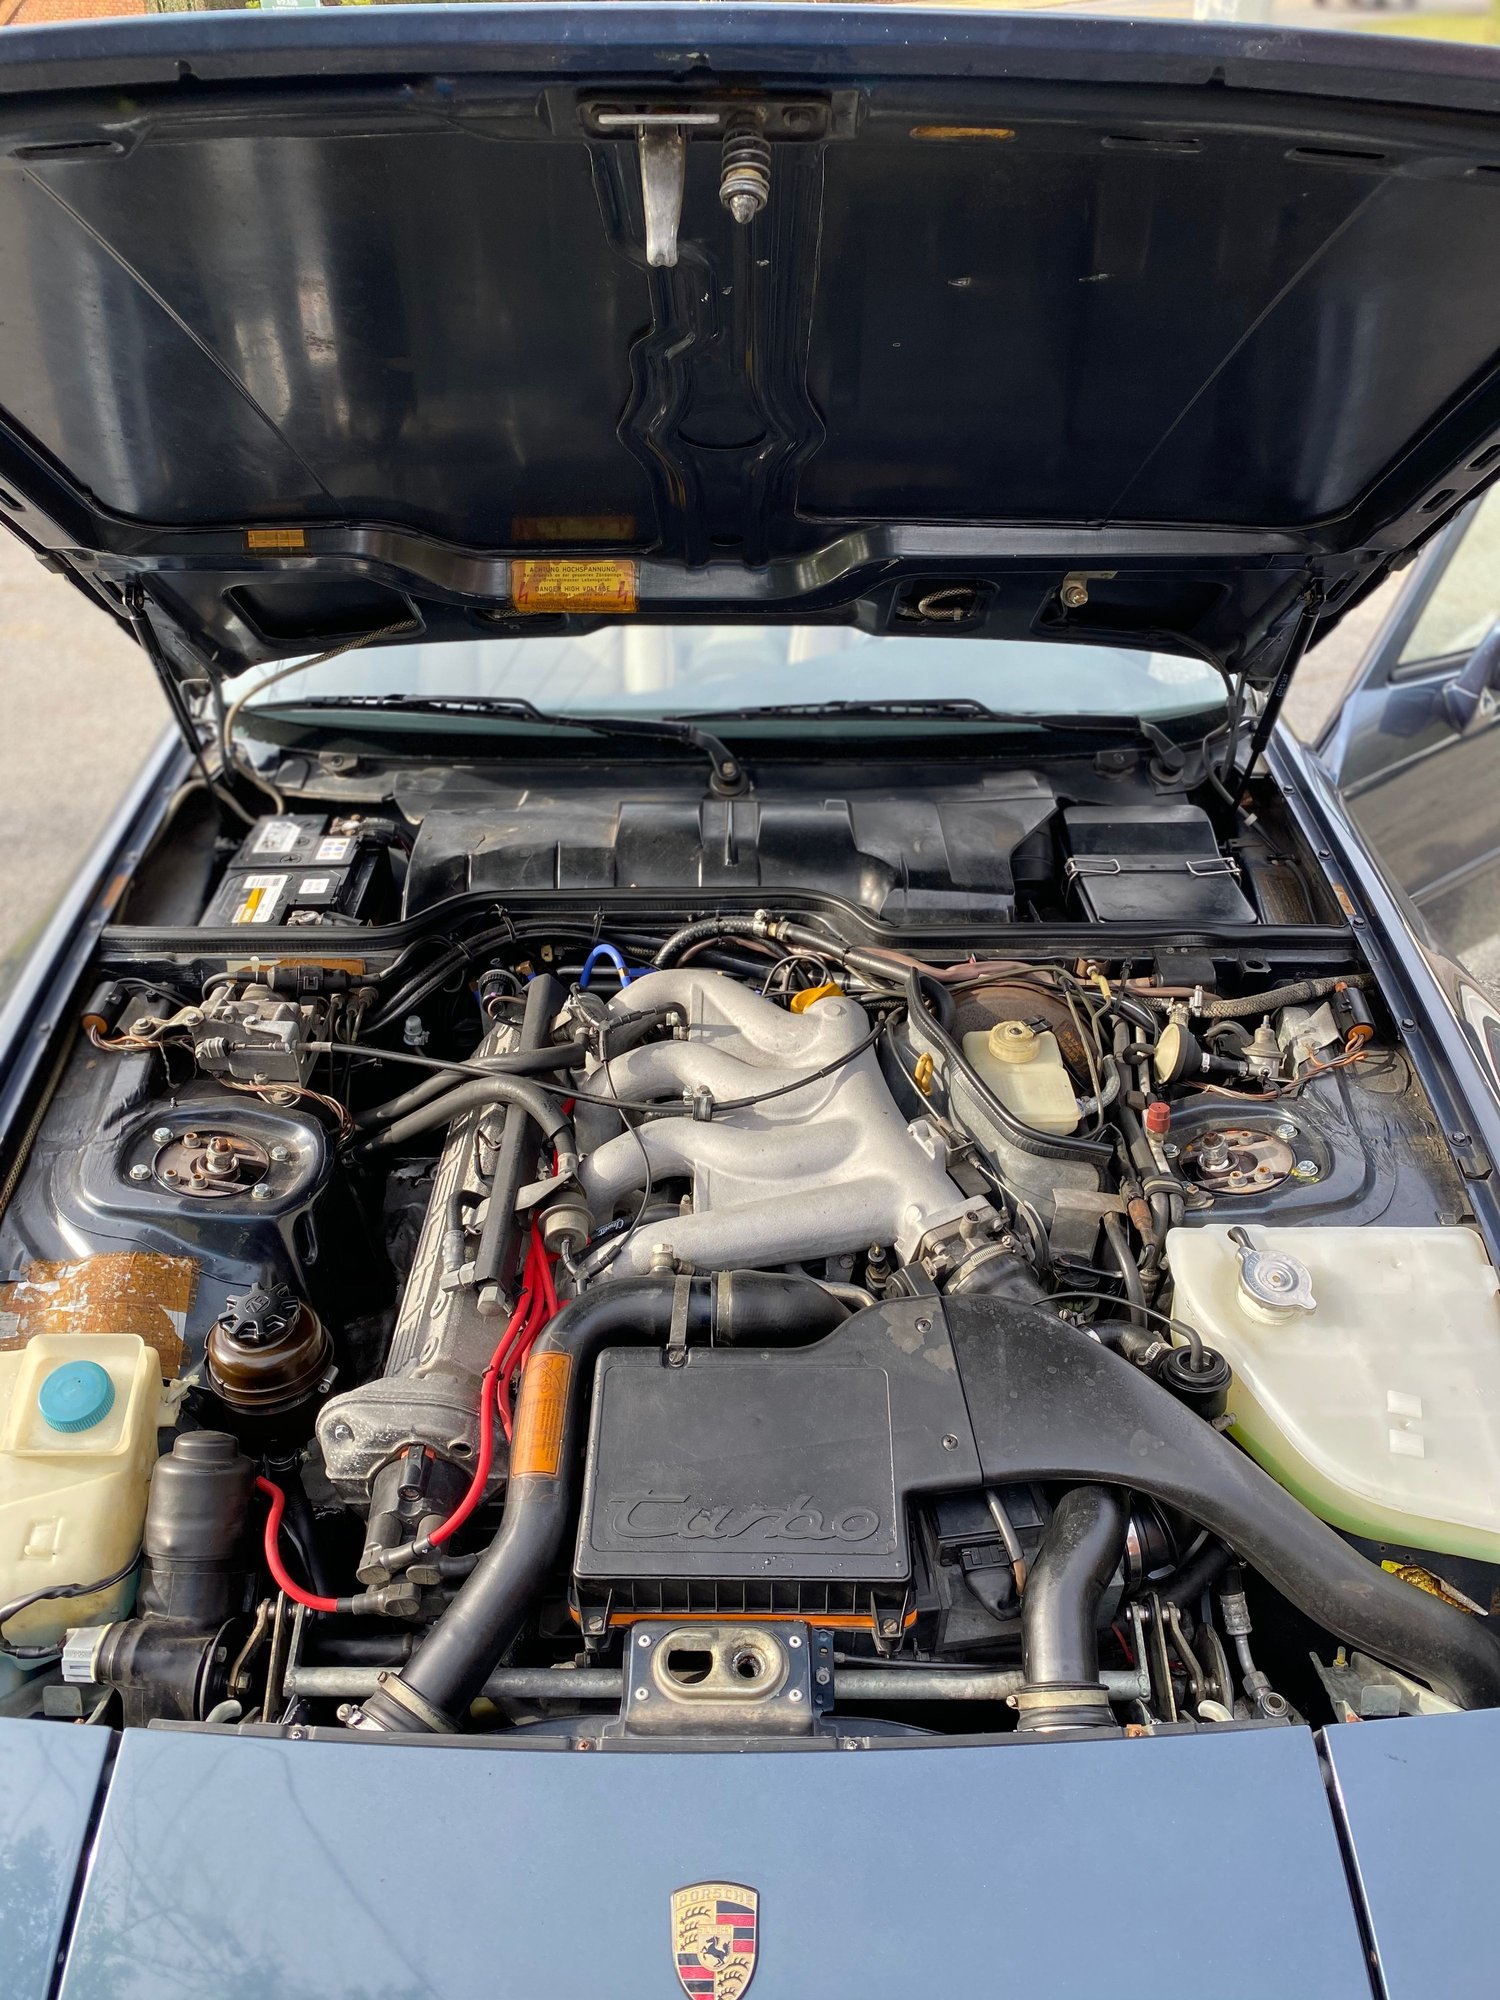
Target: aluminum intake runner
x,y
828,1167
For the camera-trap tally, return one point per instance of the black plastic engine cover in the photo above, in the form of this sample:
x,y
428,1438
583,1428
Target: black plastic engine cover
x,y
755,1479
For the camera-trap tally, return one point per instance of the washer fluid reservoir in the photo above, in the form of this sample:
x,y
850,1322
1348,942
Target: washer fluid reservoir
x,y
78,1424
1026,1071
1366,1371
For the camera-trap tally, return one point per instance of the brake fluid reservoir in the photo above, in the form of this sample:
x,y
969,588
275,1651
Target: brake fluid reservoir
x,y
1366,1371
78,1424
1026,1071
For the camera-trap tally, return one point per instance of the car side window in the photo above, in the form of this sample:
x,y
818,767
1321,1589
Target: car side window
x,y
1466,601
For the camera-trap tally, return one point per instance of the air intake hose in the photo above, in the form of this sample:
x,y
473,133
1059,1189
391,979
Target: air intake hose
x,y
745,1308
1047,1402
1080,1552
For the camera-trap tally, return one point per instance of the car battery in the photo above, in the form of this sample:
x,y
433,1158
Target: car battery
x,y
1157,864
305,868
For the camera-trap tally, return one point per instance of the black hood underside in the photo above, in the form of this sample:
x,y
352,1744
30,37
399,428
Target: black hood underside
x,y
315,325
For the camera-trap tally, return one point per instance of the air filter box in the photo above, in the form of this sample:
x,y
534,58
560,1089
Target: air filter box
x,y
751,1482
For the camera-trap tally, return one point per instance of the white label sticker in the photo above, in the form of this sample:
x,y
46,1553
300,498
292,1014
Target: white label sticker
x,y
313,885
335,848
259,896
278,836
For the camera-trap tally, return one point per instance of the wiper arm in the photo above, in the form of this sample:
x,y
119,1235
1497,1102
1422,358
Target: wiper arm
x,y
728,778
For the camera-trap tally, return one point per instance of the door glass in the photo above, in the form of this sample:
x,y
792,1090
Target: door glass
x,y
1466,602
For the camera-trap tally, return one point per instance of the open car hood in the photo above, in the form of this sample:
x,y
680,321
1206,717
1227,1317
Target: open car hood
x,y
1145,334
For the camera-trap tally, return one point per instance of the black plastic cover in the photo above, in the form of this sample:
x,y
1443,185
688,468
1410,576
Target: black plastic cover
x,y
1157,864
758,1468
910,859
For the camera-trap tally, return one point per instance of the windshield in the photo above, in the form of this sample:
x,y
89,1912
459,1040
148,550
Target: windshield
x,y
654,670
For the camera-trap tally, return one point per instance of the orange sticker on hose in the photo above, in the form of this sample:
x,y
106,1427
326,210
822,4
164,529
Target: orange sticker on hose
x,y
536,1450
544,583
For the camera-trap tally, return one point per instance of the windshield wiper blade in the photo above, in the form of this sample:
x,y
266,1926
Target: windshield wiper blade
x,y
915,707
920,708
728,778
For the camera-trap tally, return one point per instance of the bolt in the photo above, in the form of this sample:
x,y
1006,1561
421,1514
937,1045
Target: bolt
x,y
793,1641
888,1625
924,1325
140,1171
595,1624
160,1134
794,1694
1287,1132
1075,595
190,1138
823,1676
950,1442
1171,1149
851,1742
280,1153
297,1733
1306,1170
346,1711
1406,1023
342,1433
1459,1138
643,1694
644,1640
260,1192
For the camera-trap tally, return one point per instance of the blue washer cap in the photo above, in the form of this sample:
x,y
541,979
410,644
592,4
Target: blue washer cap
x,y
76,1396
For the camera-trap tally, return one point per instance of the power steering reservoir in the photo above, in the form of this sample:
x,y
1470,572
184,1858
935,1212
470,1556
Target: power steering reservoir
x,y
1366,1371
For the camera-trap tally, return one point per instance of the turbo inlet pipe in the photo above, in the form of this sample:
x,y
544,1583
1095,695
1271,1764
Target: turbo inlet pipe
x,y
448,1671
1080,1552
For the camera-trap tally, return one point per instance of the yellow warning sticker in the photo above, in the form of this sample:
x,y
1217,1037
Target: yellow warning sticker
x,y
604,583
275,541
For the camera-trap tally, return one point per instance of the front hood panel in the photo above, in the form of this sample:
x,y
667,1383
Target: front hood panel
x,y
350,1870
319,351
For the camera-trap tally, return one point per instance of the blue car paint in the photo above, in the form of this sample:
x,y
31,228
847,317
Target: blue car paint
x,y
49,1778
1417,1799
269,1869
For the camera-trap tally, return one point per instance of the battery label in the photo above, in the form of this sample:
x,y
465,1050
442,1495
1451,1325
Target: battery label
x,y
314,885
278,836
335,847
260,895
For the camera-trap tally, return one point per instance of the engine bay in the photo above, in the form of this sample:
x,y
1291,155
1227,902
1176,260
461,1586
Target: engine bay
x,y
528,1307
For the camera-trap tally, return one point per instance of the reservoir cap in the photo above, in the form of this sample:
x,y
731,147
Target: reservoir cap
x,y
76,1396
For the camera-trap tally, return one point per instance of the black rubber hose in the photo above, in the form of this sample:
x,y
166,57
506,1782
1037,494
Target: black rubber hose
x,y
1130,1274
1187,1583
1080,1552
1047,1402
482,1091
938,1000
513,1062
449,1668
498,1251
555,1056
701,931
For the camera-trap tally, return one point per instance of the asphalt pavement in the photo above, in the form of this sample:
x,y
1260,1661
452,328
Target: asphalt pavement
x,y
79,710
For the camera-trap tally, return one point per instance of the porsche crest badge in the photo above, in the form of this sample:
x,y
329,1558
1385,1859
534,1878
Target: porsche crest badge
x,y
715,1936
